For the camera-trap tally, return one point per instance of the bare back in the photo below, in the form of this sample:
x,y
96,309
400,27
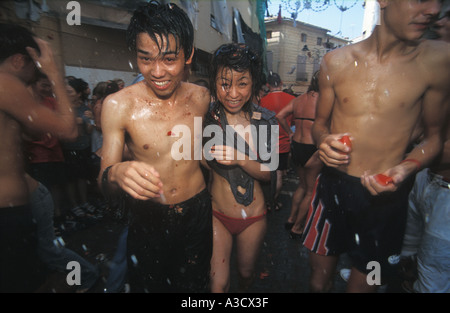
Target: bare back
x,y
304,115
379,101
149,126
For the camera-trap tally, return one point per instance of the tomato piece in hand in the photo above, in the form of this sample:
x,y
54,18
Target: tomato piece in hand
x,y
346,141
383,179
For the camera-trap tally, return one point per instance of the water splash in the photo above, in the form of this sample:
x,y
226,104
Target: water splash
x,y
134,260
357,238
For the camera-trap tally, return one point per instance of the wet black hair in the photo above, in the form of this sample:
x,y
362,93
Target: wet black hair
x,y
14,39
239,58
162,20
77,84
111,88
274,80
314,86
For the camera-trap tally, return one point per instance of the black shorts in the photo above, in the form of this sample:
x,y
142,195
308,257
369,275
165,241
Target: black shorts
x,y
77,164
344,217
170,246
283,161
49,173
20,268
301,153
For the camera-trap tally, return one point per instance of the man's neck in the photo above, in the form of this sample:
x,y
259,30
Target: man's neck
x,y
273,89
386,46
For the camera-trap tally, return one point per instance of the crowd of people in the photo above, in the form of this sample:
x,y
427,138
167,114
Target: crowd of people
x,y
360,138
69,168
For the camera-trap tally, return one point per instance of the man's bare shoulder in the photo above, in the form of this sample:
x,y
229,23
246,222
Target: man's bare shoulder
x,y
198,96
122,98
341,57
436,51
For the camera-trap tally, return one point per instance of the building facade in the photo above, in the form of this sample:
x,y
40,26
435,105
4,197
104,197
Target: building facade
x,y
88,37
295,50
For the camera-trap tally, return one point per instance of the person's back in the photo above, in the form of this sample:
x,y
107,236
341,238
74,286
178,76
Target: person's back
x,y
304,115
275,101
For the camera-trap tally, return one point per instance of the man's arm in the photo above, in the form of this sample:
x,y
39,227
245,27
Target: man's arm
x,y
18,102
138,179
327,143
64,125
283,114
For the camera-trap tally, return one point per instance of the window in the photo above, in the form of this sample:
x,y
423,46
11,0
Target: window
x,y
302,75
319,41
304,37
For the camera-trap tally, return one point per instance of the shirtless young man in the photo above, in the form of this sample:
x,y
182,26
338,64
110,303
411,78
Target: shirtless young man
x,y
170,229
20,112
375,91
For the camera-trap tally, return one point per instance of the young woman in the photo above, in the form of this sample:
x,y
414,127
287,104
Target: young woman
x,y
239,208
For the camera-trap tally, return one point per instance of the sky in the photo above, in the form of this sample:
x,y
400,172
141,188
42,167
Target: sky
x,y
330,18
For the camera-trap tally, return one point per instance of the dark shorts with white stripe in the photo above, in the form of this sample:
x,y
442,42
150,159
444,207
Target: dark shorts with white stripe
x,y
345,218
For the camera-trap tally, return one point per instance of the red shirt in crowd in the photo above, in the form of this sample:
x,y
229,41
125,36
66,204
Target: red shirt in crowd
x,y
275,101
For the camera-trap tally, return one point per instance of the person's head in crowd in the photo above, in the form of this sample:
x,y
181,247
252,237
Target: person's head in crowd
x,y
99,91
75,90
111,88
314,85
120,83
442,25
162,34
13,42
274,80
42,86
235,68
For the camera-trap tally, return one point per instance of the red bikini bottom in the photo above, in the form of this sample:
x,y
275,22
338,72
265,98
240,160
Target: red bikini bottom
x,y
236,225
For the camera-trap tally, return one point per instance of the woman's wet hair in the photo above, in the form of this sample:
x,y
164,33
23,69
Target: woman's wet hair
x,y
239,58
14,39
161,21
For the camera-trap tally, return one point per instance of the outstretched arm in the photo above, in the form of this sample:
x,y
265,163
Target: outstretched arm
x,y
283,114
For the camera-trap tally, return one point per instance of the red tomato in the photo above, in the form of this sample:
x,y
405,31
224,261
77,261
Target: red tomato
x,y
346,141
383,179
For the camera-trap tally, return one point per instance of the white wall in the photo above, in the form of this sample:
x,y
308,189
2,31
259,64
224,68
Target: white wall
x,y
94,75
